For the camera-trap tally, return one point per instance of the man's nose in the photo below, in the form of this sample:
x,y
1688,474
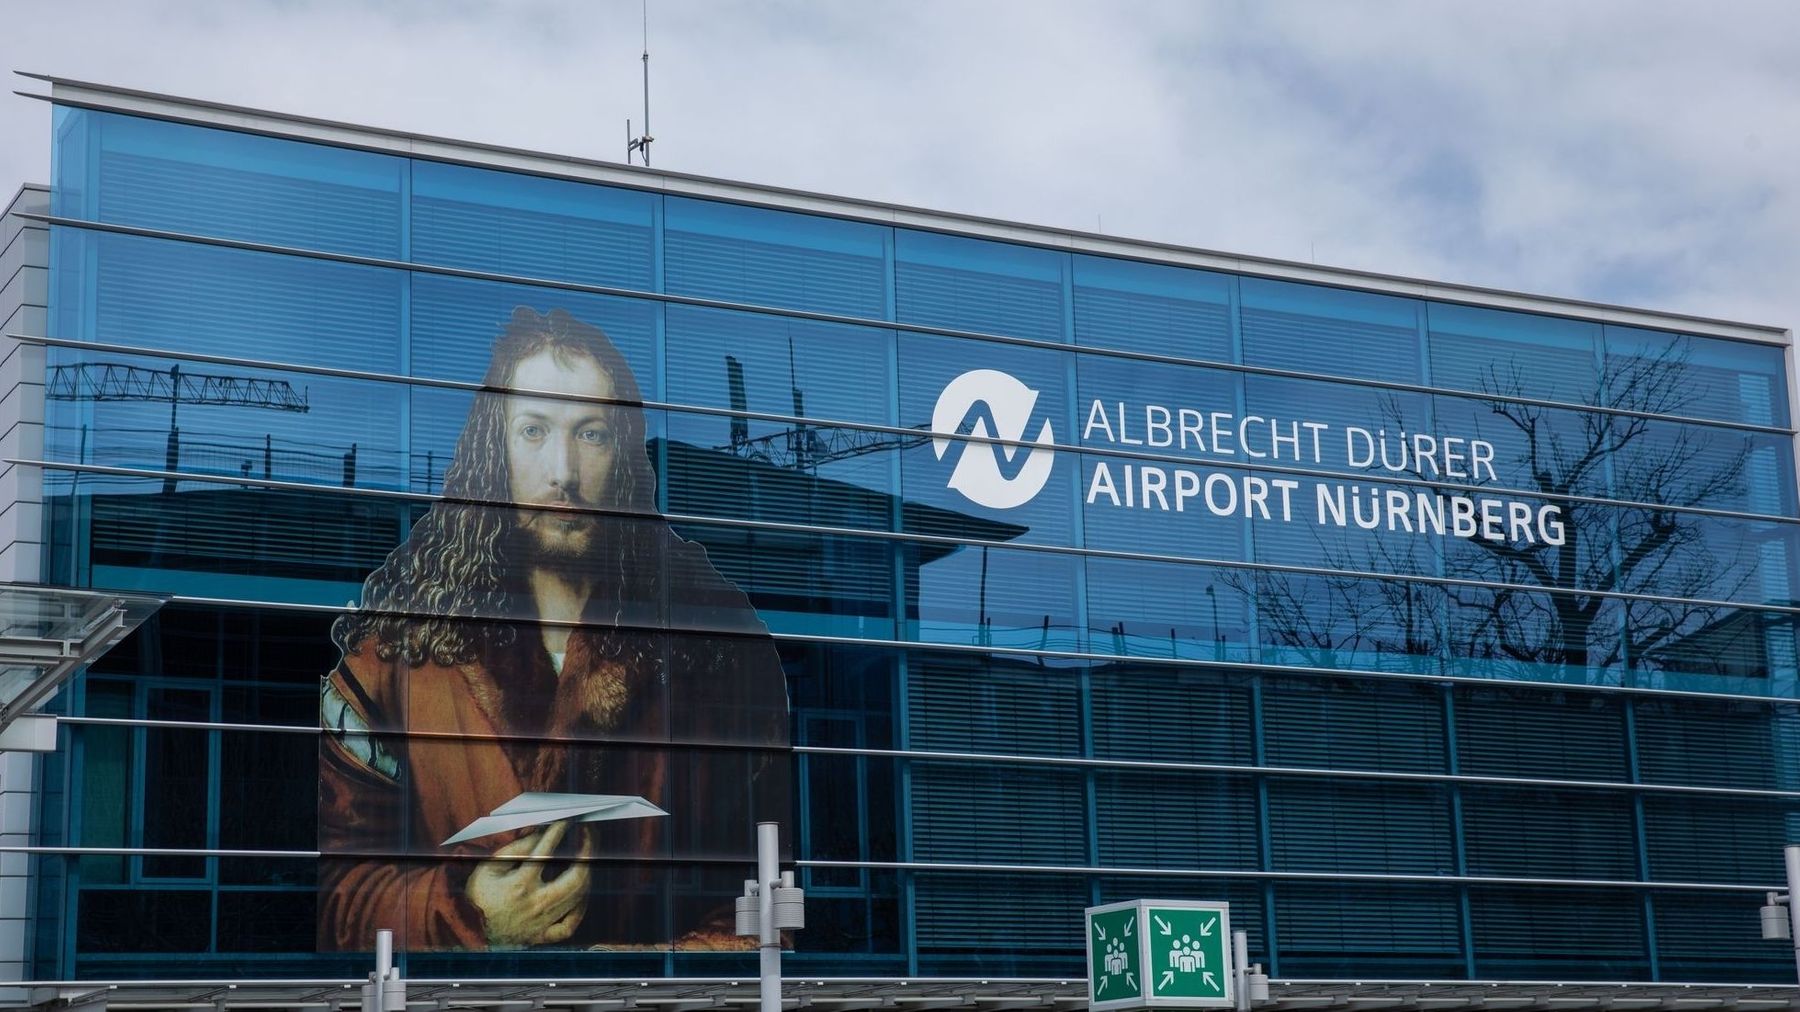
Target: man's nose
x,y
561,464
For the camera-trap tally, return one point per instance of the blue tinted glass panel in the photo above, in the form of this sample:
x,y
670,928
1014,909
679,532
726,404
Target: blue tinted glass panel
x,y
774,258
1161,609
216,301
974,284
1703,377
531,226
999,597
1349,622
772,365
1152,308
162,175
1333,331
227,420
1343,427
1698,465
455,322
1515,354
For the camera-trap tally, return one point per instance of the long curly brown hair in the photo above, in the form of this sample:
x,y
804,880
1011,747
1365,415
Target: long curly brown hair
x,y
457,566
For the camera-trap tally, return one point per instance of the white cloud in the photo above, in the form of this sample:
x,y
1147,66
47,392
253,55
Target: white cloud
x,y
1636,152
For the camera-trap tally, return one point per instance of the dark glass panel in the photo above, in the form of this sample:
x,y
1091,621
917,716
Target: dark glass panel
x,y
991,703
1525,933
1522,732
1170,713
1341,724
178,773
141,919
1360,825
1527,833
1368,930
1173,819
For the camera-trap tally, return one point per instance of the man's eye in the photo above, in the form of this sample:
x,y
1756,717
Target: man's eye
x,y
531,431
592,436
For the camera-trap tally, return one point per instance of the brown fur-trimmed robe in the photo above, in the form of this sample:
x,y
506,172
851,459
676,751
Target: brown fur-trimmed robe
x,y
695,722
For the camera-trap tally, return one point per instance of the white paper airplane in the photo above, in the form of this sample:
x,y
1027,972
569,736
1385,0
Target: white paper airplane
x,y
538,808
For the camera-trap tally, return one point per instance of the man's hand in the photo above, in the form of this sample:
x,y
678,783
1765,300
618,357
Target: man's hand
x,y
517,905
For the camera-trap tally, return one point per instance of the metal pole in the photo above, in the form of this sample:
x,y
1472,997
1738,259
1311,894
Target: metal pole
x,y
1792,853
768,876
384,953
1240,969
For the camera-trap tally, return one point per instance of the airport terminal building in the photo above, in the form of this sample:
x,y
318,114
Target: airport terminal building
x,y
1449,634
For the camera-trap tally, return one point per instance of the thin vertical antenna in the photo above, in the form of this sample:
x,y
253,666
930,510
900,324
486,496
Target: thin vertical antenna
x,y
641,145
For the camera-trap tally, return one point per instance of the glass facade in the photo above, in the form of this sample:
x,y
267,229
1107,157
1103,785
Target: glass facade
x,y
1430,635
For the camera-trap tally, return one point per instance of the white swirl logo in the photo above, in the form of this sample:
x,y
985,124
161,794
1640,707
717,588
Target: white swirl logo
x,y
989,404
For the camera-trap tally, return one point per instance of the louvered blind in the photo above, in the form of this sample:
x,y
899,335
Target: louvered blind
x,y
1355,825
1699,938
1530,733
1713,839
1354,725
1168,714
998,814
1554,934
1171,819
1325,921
1006,914
965,704
1719,744
1549,834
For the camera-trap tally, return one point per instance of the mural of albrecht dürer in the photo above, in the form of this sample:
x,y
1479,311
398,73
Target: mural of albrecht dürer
x,y
510,646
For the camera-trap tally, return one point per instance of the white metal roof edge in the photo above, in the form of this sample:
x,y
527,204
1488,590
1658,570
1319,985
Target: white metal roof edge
x,y
207,113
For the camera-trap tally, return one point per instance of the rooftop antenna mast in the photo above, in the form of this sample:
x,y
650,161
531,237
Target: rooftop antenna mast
x,y
641,145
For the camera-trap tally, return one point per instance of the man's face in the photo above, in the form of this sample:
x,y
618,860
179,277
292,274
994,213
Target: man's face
x,y
560,452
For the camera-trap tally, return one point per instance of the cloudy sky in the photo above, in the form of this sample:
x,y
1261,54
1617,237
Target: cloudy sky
x,y
1639,152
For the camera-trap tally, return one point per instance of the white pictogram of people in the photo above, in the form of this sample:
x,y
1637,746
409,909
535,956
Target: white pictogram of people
x,y
1115,957
1185,955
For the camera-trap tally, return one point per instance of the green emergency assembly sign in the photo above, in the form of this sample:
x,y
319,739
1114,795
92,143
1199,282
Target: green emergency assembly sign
x,y
1159,954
